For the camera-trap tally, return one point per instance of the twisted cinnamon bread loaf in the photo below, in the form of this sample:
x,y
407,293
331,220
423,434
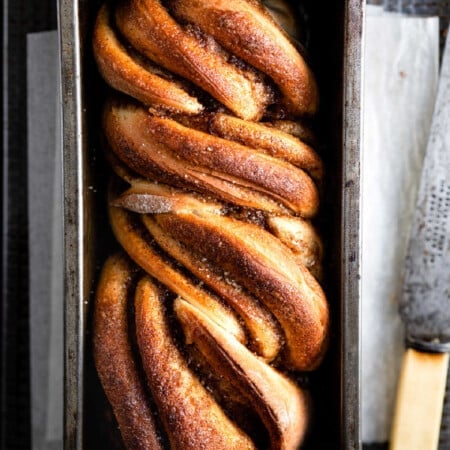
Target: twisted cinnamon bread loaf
x,y
197,329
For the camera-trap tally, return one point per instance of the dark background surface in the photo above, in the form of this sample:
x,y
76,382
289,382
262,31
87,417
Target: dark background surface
x,y
20,17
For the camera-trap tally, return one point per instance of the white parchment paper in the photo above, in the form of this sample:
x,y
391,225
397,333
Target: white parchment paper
x,y
401,73
45,241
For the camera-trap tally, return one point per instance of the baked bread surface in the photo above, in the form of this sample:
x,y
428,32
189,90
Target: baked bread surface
x,y
203,321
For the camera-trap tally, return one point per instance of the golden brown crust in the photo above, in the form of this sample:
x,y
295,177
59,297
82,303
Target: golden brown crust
x,y
220,217
297,128
267,269
247,30
153,32
272,176
281,405
126,74
302,238
129,235
129,134
253,258
264,332
192,418
275,142
146,197
114,359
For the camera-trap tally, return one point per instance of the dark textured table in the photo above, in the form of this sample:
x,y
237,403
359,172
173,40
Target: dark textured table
x,y
21,17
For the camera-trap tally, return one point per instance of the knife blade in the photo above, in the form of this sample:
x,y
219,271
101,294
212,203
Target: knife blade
x,y
425,304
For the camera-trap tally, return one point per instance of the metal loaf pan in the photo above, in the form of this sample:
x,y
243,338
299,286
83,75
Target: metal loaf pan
x,y
334,40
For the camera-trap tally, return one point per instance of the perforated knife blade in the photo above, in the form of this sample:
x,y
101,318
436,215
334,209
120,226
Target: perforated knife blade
x,y
425,304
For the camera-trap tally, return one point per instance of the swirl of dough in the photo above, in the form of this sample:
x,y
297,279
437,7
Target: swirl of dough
x,y
215,188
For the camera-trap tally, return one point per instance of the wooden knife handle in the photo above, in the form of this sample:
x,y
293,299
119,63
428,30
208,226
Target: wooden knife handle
x,y
419,404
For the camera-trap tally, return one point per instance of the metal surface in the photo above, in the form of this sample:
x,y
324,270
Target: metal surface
x,y
74,251
425,306
337,382
351,239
